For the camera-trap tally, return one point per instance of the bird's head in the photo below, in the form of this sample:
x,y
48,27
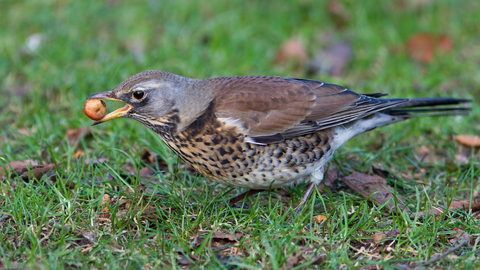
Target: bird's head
x,y
154,97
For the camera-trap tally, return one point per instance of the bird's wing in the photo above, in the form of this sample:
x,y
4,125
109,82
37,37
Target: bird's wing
x,y
262,106
269,109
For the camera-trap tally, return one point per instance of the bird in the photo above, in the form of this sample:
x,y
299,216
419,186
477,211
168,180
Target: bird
x,y
260,132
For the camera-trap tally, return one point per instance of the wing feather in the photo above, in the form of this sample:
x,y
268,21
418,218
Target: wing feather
x,y
269,109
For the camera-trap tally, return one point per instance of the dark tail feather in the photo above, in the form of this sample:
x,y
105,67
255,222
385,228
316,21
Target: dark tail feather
x,y
422,102
433,111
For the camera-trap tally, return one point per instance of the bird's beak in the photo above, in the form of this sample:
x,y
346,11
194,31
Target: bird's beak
x,y
115,114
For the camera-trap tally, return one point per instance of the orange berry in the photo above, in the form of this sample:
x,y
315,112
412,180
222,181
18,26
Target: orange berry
x,y
95,109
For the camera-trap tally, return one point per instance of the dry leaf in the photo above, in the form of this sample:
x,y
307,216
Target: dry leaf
x,y
227,236
105,200
337,12
94,161
393,233
444,44
27,171
150,212
332,60
24,131
78,154
376,189
185,262
89,235
468,141
147,156
320,258
454,205
303,255
319,219
465,205
146,171
16,166
379,237
73,135
383,173
420,3
422,47
219,239
462,237
105,213
330,180
292,51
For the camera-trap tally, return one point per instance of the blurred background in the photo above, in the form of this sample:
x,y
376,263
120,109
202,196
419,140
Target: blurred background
x,y
54,53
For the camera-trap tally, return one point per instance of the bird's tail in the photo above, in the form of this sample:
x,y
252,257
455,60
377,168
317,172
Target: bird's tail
x,y
402,111
434,107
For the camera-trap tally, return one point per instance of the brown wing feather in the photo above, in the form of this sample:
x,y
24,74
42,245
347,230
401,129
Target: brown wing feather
x,y
263,106
270,108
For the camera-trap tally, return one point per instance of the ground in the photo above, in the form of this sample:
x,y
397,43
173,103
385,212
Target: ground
x,y
117,197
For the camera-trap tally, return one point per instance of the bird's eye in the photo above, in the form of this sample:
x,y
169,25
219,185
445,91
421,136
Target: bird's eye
x,y
138,95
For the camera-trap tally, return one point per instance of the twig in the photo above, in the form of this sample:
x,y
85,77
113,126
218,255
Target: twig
x,y
438,257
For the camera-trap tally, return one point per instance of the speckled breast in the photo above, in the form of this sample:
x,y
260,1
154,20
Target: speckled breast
x,y
221,154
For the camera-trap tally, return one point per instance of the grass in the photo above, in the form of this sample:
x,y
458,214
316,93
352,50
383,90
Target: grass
x,y
173,220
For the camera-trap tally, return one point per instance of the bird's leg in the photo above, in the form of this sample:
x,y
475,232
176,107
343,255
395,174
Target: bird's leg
x,y
243,196
315,179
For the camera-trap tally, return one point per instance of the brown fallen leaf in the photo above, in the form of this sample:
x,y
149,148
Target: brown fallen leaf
x,y
422,214
24,131
105,200
38,171
227,236
295,259
16,165
145,172
379,237
136,205
462,236
187,261
332,60
73,135
383,173
147,156
393,233
421,3
78,154
445,44
27,171
465,205
89,161
320,258
330,180
304,255
105,213
337,12
424,154
319,219
376,189
454,205
468,141
291,51
423,46
89,235
220,240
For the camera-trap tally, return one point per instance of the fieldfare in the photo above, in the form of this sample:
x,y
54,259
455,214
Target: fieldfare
x,y
259,132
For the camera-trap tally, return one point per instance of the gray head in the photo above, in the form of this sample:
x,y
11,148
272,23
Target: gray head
x,y
158,98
